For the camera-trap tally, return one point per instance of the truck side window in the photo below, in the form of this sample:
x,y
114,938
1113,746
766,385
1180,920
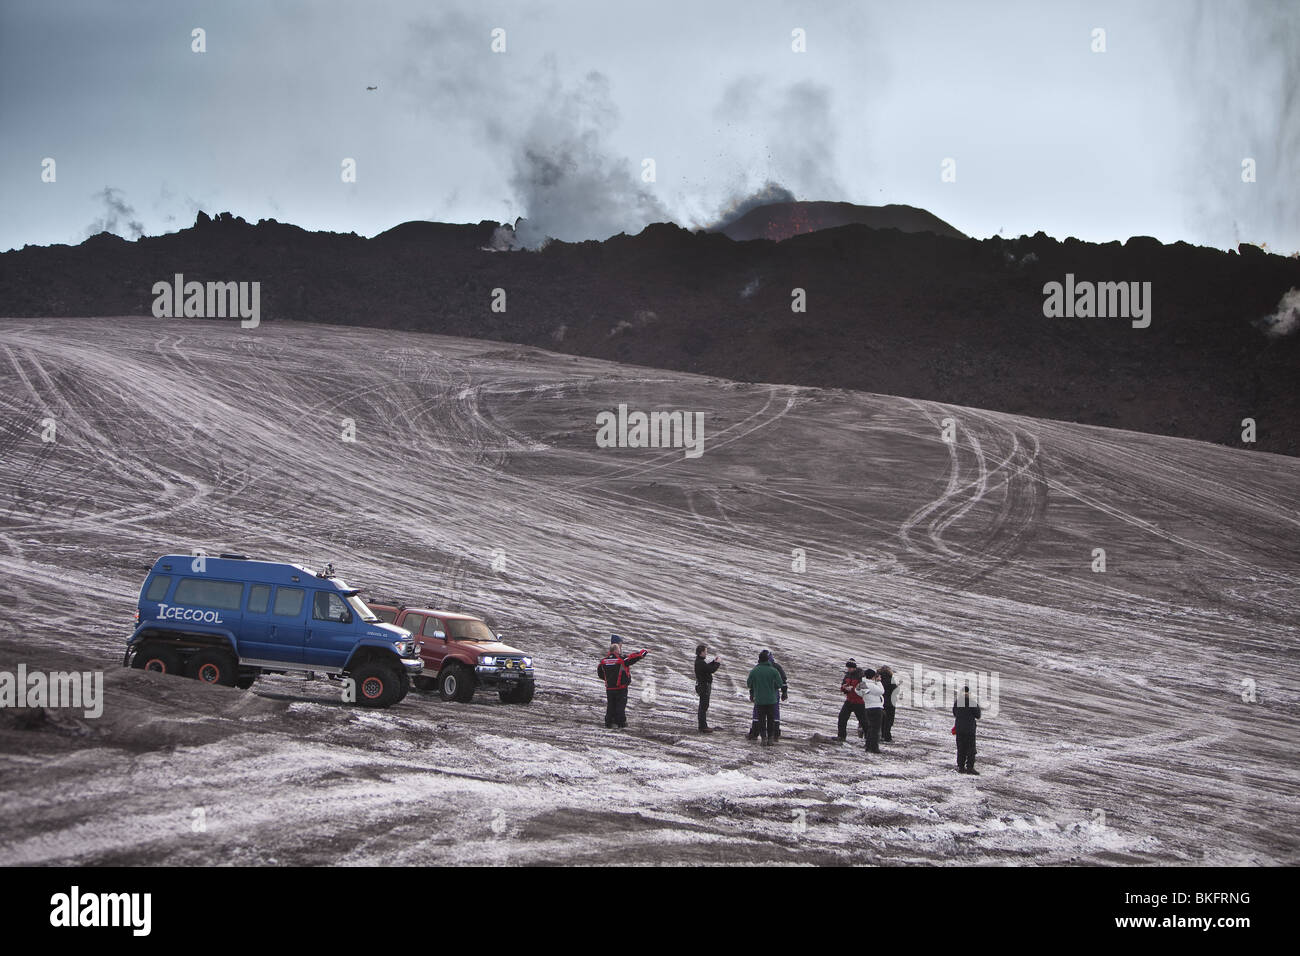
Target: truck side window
x,y
328,606
430,626
413,622
158,588
288,601
388,617
259,598
205,592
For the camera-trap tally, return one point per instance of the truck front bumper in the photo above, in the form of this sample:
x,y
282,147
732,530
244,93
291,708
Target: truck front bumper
x,y
491,677
413,666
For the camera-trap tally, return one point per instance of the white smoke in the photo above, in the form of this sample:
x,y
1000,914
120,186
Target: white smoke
x,y
118,215
553,137
797,133
738,205
1241,70
567,178
504,239
1287,317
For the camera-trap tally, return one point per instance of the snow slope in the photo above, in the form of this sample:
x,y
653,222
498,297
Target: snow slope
x,y
1121,733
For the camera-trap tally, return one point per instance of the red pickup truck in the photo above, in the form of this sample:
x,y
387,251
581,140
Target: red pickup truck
x,y
461,654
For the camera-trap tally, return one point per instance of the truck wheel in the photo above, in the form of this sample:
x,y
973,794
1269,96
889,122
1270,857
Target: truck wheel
x,y
159,658
213,667
403,686
523,694
378,684
456,683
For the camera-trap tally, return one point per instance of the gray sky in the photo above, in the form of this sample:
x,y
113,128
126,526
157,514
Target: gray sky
x,y
1146,138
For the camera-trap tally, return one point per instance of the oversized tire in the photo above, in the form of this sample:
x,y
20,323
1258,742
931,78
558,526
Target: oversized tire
x,y
521,694
456,683
159,658
403,686
214,667
378,684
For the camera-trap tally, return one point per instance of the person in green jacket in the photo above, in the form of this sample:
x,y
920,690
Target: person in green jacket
x,y
764,685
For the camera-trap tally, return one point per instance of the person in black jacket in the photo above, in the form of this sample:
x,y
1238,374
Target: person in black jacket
x,y
785,695
887,722
704,684
965,715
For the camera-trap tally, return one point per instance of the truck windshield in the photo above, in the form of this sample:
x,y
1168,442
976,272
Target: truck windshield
x,y
363,612
463,630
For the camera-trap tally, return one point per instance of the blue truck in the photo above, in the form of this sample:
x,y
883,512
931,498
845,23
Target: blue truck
x,y
227,620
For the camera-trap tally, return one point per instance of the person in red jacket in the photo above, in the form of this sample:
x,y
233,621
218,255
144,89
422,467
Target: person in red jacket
x,y
615,670
853,676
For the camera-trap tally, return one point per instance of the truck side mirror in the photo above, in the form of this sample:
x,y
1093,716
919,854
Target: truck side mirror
x,y
440,635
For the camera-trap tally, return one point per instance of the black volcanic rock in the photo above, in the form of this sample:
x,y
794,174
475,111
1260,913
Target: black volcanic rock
x,y
783,220
432,232
915,314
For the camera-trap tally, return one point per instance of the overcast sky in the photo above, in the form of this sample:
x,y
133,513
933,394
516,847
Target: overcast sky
x,y
1147,138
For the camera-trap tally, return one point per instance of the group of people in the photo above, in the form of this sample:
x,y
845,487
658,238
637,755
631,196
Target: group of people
x,y
869,695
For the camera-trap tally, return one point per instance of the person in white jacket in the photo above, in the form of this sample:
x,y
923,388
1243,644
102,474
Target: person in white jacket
x,y
873,699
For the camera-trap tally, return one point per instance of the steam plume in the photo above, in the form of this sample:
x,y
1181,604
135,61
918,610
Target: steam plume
x,y
118,214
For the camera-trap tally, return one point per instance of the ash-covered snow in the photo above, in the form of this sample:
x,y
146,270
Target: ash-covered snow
x,y
1121,735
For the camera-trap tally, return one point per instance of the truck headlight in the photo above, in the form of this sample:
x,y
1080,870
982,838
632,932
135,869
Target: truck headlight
x,y
404,648
487,661
528,662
